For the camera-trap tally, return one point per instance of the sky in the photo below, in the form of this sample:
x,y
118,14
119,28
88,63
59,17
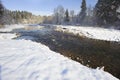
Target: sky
x,y
44,7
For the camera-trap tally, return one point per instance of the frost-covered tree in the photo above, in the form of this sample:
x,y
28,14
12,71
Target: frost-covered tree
x,y
7,18
105,11
72,14
59,15
14,17
82,14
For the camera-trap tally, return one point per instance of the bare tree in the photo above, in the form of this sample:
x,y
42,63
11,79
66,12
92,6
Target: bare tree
x,y
72,14
59,15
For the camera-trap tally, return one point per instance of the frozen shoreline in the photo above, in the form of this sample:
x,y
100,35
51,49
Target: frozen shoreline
x,y
91,32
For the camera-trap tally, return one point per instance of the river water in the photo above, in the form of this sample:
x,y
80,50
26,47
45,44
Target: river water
x,y
89,52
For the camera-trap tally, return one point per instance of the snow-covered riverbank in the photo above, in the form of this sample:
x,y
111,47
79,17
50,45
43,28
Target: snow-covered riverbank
x,y
9,28
27,60
92,32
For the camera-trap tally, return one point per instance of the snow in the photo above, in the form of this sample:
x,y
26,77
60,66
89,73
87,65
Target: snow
x,y
27,60
7,36
9,28
92,32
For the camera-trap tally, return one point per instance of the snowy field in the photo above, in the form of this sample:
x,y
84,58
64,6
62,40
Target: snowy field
x,y
27,60
92,32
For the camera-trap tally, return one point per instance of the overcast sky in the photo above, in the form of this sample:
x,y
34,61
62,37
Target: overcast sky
x,y
44,7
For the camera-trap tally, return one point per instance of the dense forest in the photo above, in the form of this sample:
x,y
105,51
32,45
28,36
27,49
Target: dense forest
x,y
16,17
105,13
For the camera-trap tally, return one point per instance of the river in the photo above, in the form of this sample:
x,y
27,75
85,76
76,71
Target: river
x,y
89,52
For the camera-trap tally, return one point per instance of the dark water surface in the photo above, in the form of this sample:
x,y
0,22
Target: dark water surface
x,y
89,52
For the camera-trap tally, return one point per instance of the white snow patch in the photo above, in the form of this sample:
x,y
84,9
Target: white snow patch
x,y
27,60
7,36
9,28
92,32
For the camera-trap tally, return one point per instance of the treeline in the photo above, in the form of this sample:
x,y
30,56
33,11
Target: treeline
x,y
17,17
60,16
64,16
104,13
12,17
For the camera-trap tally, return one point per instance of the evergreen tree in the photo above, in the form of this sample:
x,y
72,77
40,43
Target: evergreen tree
x,y
67,16
1,12
105,12
82,14
1,9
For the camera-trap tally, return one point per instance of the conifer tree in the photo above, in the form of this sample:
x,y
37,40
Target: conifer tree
x,y
1,12
82,14
67,16
105,12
